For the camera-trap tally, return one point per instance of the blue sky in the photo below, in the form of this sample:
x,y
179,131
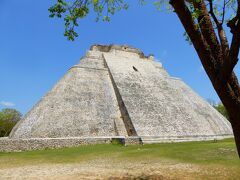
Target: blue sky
x,y
34,54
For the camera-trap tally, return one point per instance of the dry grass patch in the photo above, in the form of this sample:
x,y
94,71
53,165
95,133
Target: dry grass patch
x,y
191,160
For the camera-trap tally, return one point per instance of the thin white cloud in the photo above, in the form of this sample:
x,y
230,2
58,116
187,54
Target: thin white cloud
x,y
7,104
200,69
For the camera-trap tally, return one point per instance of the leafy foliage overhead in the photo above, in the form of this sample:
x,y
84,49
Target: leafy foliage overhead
x,y
222,11
78,9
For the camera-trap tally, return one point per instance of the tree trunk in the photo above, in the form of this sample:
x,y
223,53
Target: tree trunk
x,y
230,100
236,129
227,89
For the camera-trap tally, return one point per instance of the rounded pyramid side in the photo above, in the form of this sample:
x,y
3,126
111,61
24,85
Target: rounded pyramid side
x,y
81,104
161,106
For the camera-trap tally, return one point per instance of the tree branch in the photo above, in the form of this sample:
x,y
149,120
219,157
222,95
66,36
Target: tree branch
x,y
196,37
233,82
221,33
205,24
212,12
232,59
223,11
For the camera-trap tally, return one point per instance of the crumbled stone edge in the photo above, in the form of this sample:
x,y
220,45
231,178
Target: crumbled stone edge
x,y
18,145
126,48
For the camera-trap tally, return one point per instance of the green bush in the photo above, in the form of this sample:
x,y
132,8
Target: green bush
x,y
8,119
220,107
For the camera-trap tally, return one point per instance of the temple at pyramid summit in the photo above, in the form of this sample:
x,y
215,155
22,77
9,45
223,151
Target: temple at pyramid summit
x,y
116,92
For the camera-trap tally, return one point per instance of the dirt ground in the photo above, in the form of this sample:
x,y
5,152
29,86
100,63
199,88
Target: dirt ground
x,y
107,169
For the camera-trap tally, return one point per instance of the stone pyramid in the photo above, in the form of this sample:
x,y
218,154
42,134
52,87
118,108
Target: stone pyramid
x,y
116,91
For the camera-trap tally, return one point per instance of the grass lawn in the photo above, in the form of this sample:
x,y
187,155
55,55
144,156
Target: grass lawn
x,y
219,158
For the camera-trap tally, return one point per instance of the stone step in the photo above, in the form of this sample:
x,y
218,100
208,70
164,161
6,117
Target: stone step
x,y
166,139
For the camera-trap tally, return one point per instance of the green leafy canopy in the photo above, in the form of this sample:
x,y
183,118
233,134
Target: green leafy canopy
x,y
73,10
79,9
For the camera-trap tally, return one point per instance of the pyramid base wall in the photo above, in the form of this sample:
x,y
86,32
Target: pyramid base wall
x,y
18,145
